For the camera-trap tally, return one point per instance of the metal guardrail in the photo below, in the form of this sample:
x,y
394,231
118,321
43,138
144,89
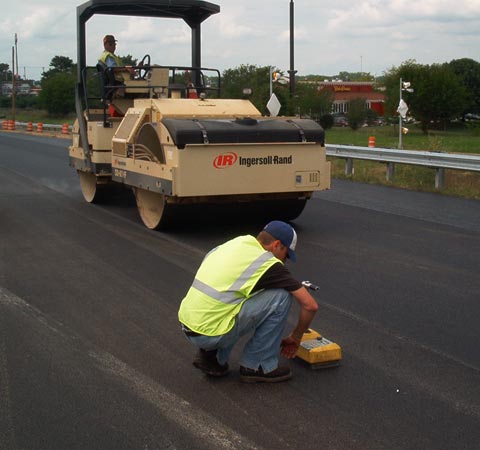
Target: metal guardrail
x,y
39,127
46,126
436,160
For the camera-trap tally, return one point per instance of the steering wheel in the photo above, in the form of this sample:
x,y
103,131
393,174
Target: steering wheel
x,y
144,67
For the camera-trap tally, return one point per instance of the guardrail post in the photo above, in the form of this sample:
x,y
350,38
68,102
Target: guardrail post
x,y
349,166
390,171
439,177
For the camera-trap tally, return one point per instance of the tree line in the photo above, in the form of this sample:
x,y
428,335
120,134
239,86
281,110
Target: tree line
x,y
442,92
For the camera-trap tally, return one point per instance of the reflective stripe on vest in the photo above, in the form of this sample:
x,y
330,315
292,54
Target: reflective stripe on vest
x,y
231,296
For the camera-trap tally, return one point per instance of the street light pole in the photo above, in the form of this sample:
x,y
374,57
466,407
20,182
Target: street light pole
x,y
13,83
292,70
271,81
400,144
402,111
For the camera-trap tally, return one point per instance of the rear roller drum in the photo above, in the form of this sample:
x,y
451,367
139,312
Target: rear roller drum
x,y
282,209
292,209
153,208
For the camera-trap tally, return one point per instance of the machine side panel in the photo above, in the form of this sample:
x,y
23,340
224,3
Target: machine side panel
x,y
250,169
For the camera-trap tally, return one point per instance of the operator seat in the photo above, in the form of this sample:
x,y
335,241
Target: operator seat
x,y
108,82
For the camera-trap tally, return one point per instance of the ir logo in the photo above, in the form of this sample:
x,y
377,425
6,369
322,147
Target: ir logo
x,y
225,160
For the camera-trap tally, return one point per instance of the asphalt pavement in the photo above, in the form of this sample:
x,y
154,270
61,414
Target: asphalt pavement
x,y
92,356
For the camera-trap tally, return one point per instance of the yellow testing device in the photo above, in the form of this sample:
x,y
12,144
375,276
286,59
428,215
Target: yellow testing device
x,y
317,351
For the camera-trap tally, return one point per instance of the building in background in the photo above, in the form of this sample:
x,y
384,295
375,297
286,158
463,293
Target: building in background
x,y
344,91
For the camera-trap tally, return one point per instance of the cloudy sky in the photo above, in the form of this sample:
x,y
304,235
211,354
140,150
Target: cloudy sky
x,y
330,36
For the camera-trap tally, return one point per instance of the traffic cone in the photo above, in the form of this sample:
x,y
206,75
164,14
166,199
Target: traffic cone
x,y
29,126
5,125
371,141
11,125
65,128
40,127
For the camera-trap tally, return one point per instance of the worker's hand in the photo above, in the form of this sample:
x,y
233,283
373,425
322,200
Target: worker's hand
x,y
131,71
289,346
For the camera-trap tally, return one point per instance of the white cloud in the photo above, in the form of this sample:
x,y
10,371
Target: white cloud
x,y
329,36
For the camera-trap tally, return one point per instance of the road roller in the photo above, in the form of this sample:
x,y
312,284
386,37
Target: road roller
x,y
166,133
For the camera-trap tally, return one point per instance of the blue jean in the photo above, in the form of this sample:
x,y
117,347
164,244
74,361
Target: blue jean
x,y
265,315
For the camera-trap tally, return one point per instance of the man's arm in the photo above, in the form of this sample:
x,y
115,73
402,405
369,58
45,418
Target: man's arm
x,y
111,63
308,308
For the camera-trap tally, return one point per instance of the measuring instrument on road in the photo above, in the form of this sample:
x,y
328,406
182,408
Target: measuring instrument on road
x,y
315,350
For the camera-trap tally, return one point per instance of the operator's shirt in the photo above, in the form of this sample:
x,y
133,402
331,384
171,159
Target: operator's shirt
x,y
277,277
110,62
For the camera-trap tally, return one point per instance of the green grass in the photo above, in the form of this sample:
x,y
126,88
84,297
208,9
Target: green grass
x,y
457,183
456,141
35,115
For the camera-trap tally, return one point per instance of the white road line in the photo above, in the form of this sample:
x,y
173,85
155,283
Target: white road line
x,y
193,420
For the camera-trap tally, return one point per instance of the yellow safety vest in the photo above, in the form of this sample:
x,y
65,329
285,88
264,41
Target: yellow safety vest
x,y
222,284
106,54
121,77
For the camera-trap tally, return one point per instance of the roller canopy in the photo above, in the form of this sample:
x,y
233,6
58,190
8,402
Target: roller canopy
x,y
242,131
192,11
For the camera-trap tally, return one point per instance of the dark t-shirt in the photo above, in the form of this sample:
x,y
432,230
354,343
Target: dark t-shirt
x,y
277,277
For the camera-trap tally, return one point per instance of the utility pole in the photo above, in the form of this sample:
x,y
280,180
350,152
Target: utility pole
x,y
13,83
16,55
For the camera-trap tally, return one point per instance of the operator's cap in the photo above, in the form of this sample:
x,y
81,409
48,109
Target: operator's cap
x,y
109,38
285,234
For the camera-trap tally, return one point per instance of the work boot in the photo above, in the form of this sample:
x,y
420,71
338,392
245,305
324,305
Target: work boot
x,y
281,373
207,362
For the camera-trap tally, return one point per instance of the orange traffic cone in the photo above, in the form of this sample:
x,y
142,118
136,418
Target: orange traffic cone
x,y
11,125
65,128
29,126
371,141
40,127
5,125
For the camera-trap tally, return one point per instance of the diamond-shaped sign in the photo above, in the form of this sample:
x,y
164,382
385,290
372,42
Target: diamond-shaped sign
x,y
273,106
402,109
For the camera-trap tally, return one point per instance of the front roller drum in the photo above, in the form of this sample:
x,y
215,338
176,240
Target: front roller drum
x,y
153,208
93,187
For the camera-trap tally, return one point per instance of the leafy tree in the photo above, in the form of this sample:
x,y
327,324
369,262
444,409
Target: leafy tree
x,y
128,60
306,101
254,77
441,96
468,71
355,76
5,74
59,64
326,121
438,96
58,93
357,113
309,101
58,87
371,116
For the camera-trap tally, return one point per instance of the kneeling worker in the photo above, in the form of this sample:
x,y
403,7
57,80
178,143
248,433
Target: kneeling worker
x,y
243,287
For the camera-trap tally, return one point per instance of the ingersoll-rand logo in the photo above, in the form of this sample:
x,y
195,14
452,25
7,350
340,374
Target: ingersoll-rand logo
x,y
229,159
225,160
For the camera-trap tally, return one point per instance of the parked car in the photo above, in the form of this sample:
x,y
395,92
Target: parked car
x,y
340,121
471,116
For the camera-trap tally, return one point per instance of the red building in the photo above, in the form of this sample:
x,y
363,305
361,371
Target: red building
x,y
344,91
